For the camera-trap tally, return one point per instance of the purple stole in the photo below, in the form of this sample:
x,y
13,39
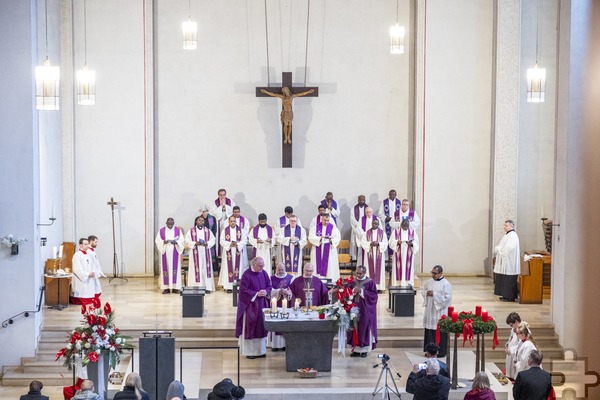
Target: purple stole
x,y
281,283
375,262
232,272
255,233
409,255
227,201
282,221
206,253
411,215
363,222
333,205
357,211
323,250
242,222
291,262
175,257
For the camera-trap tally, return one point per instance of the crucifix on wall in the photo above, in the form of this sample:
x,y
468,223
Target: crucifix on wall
x,y
287,94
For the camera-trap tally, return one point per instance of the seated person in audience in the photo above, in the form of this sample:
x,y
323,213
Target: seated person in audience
x,y
86,392
132,389
175,391
431,386
35,392
480,390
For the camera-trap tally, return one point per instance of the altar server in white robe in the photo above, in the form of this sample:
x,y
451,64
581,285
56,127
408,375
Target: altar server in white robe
x,y
233,245
364,223
405,212
169,243
437,296
262,239
374,243
82,285
292,239
93,240
357,213
200,240
222,209
325,239
405,244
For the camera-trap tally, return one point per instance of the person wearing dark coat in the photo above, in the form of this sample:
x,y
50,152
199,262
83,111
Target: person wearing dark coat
x,y
132,389
432,386
35,392
533,383
431,351
480,390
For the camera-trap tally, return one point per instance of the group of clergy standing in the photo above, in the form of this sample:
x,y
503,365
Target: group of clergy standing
x,y
221,232
87,272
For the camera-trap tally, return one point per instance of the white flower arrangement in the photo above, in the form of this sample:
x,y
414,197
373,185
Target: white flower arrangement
x,y
9,240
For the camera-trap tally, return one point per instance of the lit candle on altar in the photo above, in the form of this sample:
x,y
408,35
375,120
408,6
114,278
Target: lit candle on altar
x,y
450,310
454,316
274,305
484,316
296,304
54,252
478,311
284,306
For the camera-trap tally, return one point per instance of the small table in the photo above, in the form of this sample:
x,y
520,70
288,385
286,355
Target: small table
x,y
192,302
402,300
57,290
308,340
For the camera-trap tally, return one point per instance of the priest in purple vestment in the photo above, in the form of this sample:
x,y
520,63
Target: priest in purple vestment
x,y
307,283
280,283
254,293
365,295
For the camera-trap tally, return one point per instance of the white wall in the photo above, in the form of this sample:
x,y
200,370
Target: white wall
x,y
457,134
213,132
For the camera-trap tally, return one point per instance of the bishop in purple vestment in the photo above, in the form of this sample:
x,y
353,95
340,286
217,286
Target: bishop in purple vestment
x,y
365,295
307,283
254,293
280,283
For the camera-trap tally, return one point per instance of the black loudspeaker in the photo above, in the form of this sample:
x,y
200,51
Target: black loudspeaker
x,y
157,365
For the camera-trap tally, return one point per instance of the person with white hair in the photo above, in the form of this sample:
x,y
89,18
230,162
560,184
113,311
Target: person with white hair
x,y
431,386
86,392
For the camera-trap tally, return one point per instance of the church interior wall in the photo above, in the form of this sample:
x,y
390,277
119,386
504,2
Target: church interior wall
x,y
537,127
457,135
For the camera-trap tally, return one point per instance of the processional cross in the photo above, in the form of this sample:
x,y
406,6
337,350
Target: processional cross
x,y
287,93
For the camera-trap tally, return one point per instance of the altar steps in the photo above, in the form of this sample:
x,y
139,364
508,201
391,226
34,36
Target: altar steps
x,y
44,367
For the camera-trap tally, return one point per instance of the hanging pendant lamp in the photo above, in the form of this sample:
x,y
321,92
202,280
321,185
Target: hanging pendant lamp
x,y
536,76
47,79
190,31
86,78
397,35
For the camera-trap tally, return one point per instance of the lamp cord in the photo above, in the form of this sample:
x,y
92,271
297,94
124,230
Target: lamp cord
x,y
267,41
84,32
537,29
306,50
46,13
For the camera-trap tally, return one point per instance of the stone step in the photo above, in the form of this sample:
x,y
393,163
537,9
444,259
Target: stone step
x,y
15,376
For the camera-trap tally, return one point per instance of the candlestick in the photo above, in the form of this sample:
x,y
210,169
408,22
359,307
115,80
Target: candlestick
x,y
274,305
454,316
450,310
478,311
484,316
54,252
284,306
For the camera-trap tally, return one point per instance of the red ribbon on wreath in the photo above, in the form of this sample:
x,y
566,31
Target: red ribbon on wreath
x,y
495,341
467,331
437,331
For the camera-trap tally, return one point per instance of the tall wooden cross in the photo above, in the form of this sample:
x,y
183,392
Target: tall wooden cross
x,y
287,93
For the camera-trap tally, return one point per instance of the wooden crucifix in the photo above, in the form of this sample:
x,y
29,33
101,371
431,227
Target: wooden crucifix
x,y
287,93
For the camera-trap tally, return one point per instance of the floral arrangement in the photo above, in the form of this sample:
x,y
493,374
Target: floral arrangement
x,y
98,336
10,241
344,310
469,325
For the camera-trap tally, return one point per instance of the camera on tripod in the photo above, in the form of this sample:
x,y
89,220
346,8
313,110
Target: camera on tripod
x,y
384,357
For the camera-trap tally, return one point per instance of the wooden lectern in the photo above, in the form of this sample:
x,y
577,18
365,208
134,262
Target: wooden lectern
x,y
534,281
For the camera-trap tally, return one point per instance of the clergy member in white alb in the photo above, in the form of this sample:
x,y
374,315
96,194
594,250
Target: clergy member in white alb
x,y
292,239
262,239
357,213
386,213
284,220
321,210
405,243
405,212
169,243
82,286
200,240
508,263
364,223
325,239
222,208
93,241
233,245
331,207
374,243
243,223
